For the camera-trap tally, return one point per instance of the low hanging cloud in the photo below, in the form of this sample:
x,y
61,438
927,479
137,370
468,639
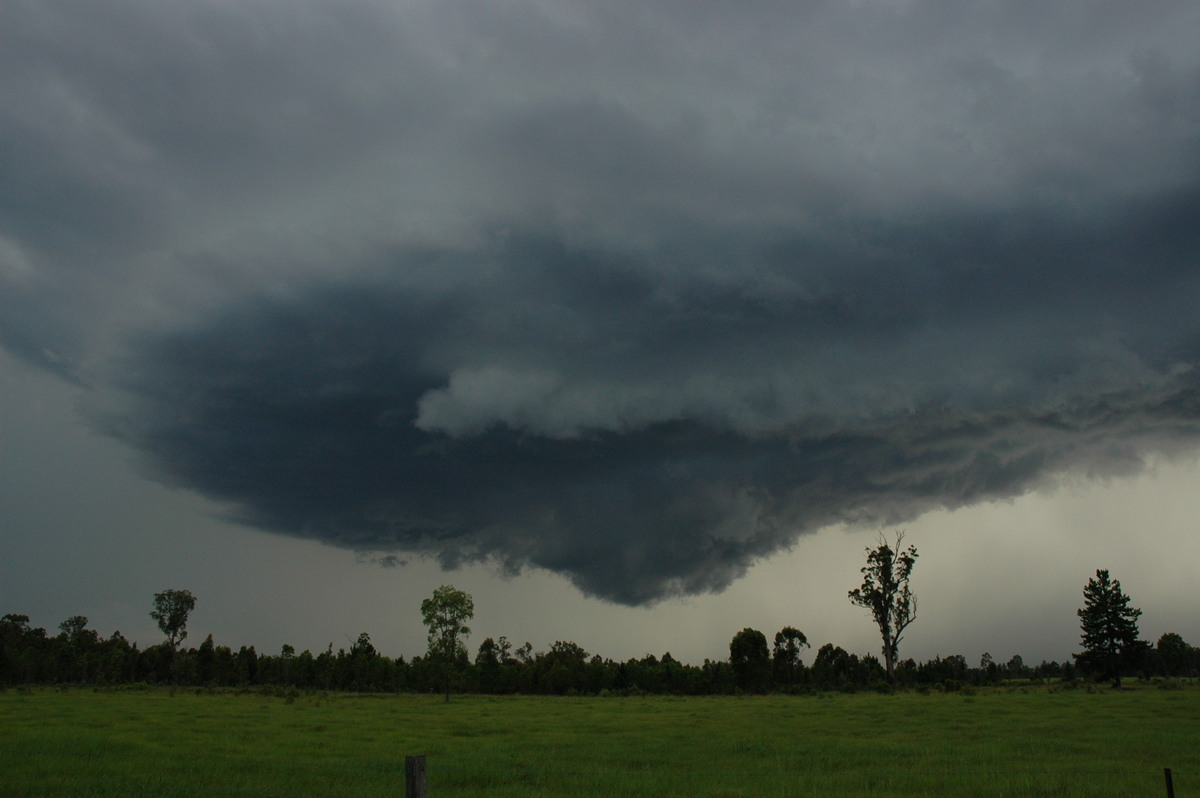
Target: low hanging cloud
x,y
638,298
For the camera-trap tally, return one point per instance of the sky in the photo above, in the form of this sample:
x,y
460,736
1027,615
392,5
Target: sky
x,y
639,322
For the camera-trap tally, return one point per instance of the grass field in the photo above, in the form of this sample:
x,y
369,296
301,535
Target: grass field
x,y
1037,741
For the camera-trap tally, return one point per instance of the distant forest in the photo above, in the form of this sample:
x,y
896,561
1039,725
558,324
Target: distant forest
x,y
78,655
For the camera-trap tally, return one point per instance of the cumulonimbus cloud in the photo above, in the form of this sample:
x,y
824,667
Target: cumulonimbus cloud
x,y
513,287
672,437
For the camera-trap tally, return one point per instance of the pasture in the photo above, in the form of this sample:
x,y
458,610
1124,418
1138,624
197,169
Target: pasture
x,y
1034,741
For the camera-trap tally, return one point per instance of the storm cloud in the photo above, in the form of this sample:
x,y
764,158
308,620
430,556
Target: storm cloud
x,y
633,294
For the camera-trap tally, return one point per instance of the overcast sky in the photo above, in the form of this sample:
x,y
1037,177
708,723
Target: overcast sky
x,y
638,321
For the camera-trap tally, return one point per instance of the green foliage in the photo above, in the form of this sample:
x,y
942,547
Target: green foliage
x,y
786,666
445,614
1176,657
886,594
1109,629
750,661
29,656
171,610
74,628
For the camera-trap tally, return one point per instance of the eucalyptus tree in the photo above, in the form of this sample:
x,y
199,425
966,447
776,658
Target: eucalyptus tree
x,y
786,655
171,610
750,660
445,614
886,594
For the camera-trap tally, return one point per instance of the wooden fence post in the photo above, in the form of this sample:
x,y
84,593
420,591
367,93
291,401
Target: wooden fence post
x,y
414,776
1170,783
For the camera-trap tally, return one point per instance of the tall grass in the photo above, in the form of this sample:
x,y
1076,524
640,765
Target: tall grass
x,y
1032,742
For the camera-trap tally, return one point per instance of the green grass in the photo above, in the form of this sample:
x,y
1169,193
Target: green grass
x,y
1003,743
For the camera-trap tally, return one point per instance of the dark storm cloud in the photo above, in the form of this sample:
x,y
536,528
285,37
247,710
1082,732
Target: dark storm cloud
x,y
648,438
635,294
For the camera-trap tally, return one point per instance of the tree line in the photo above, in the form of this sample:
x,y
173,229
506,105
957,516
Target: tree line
x,y
81,655
78,655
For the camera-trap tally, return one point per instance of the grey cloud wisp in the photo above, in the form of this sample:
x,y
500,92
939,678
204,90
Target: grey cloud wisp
x,y
636,299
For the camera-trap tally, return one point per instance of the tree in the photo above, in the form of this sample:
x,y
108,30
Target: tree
x,y
206,658
833,667
786,655
74,627
1176,655
488,654
362,663
171,609
363,647
750,661
487,666
886,594
288,655
563,667
988,668
1015,667
1109,628
445,614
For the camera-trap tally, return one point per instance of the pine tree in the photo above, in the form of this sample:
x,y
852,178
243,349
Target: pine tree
x,y
1109,628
